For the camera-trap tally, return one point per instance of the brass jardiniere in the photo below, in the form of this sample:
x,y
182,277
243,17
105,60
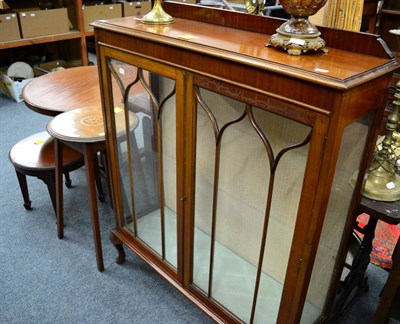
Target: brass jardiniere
x,y
298,35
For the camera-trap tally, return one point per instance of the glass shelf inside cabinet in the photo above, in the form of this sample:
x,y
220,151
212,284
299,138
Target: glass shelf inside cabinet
x,y
147,157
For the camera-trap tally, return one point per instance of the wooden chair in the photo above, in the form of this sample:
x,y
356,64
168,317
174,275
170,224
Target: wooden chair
x,y
34,156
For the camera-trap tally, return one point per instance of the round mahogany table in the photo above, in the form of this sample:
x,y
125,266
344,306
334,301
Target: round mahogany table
x,y
83,130
64,90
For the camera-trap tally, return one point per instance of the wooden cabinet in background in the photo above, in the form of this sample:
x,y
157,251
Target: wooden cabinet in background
x,y
389,18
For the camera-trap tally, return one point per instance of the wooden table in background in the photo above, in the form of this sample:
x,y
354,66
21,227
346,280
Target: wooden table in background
x,y
64,90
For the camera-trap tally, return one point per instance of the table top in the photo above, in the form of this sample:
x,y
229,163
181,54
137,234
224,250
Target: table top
x,y
63,90
388,212
85,125
36,152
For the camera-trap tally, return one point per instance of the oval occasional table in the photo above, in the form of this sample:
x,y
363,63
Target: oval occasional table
x,y
83,130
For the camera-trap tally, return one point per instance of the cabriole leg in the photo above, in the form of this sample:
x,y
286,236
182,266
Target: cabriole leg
x,y
118,245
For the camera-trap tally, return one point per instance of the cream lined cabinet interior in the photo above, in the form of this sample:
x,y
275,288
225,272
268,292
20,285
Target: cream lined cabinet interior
x,y
238,182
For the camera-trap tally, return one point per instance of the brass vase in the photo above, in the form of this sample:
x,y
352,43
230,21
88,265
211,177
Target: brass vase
x,y
157,16
383,178
298,35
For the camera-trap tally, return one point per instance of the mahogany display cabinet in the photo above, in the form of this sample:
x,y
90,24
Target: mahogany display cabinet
x,y
239,182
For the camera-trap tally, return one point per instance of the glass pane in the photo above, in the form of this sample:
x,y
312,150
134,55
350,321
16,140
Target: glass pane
x,y
350,155
289,176
237,146
147,156
168,122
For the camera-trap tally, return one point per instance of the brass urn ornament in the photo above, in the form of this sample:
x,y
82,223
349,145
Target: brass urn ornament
x,y
298,35
254,7
383,180
157,16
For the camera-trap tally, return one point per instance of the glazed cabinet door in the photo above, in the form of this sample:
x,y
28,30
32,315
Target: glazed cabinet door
x,y
142,126
259,168
250,168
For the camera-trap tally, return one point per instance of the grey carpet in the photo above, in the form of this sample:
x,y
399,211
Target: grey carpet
x,y
47,280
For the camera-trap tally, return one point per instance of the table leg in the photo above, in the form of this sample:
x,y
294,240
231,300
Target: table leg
x,y
50,181
89,157
58,151
23,184
355,282
362,258
390,289
97,175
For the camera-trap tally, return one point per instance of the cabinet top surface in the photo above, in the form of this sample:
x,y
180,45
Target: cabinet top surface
x,y
249,48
